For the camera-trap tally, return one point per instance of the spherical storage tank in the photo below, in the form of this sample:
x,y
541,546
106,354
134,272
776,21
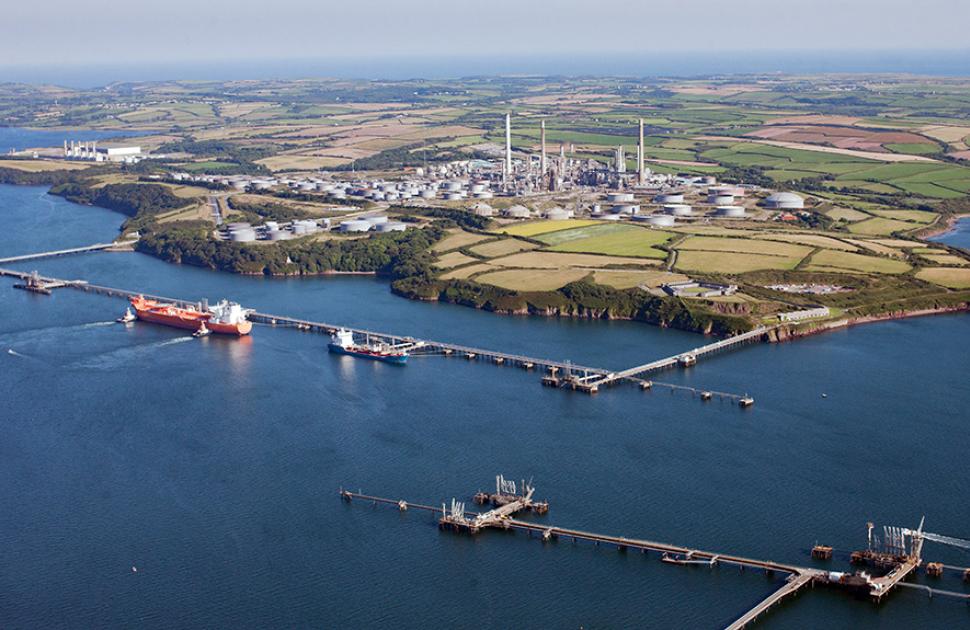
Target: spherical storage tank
x,y
661,220
355,225
619,197
733,212
785,201
669,198
678,210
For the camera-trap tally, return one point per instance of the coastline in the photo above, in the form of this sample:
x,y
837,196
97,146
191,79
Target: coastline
x,y
792,334
940,230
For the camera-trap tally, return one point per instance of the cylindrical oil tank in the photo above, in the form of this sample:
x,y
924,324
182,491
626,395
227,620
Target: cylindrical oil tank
x,y
626,208
619,197
355,225
392,226
428,194
661,220
669,198
733,212
454,196
678,210
719,199
277,235
244,235
377,220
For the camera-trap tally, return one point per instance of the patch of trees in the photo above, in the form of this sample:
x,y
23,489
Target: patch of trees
x,y
747,175
129,199
395,255
244,157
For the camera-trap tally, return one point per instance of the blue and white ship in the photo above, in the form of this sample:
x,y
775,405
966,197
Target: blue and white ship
x,y
342,342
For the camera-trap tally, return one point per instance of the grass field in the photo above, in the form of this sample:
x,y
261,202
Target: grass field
x,y
535,228
615,240
946,277
846,214
879,226
453,259
556,260
744,246
42,166
828,260
463,273
456,240
916,216
623,279
813,240
532,279
946,259
503,247
732,262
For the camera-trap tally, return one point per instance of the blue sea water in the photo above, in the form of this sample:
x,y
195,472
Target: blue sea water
x,y
212,466
645,64
959,236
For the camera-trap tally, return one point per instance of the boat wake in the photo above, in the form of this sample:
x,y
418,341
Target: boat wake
x,y
96,325
115,358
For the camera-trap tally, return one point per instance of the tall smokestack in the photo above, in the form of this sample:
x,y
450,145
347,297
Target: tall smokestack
x,y
641,174
620,160
508,146
542,154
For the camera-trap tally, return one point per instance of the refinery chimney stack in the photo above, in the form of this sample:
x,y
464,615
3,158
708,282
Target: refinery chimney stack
x,y
508,147
542,154
641,174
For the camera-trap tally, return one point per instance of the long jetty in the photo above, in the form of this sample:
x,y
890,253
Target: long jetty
x,y
565,374
98,247
458,519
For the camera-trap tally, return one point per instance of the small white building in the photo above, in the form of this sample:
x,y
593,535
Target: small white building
x,y
810,313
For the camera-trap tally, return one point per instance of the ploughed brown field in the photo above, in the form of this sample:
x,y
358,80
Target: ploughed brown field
x,y
841,137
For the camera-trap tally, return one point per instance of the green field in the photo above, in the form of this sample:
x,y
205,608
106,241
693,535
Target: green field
x,y
744,246
536,228
731,262
828,260
946,277
613,239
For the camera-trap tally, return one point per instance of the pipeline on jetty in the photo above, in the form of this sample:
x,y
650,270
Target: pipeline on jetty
x,y
899,555
559,374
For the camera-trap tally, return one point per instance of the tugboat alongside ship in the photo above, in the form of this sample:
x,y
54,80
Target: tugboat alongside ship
x,y
225,318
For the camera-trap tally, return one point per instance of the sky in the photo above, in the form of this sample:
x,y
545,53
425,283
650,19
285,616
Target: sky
x,y
73,32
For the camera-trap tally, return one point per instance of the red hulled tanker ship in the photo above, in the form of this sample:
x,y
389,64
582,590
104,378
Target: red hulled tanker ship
x,y
225,318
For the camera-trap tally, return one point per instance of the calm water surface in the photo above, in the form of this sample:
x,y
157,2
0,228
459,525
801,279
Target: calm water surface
x,y
213,465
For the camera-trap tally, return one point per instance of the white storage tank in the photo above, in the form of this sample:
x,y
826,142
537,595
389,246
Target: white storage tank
x,y
661,220
733,212
244,235
375,220
355,225
277,235
454,196
669,198
785,201
428,194
558,214
678,210
517,212
392,226
619,197
720,199
483,195
627,208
